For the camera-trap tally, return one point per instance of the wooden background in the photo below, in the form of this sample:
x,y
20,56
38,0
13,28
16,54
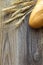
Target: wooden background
x,y
22,46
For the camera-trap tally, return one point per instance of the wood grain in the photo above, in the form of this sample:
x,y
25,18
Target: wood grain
x,y
17,46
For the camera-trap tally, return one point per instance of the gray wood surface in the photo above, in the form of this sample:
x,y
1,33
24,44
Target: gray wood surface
x,y
22,46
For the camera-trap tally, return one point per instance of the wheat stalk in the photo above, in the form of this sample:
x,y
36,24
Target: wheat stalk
x,y
19,2
19,12
24,3
9,9
11,19
21,20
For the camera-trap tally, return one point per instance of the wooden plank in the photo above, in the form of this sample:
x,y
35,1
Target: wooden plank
x,y
13,46
18,47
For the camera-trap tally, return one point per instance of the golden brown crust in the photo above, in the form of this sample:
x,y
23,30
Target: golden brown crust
x,y
36,17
